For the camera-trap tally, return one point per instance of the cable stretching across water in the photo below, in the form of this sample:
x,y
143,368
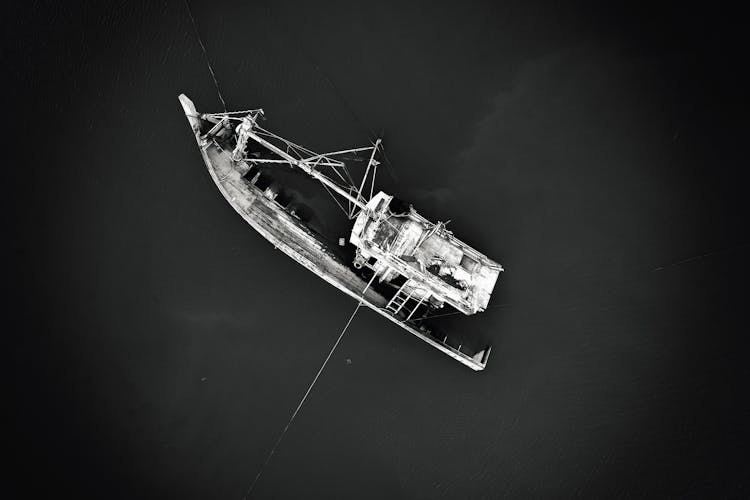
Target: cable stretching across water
x,y
359,304
278,441
205,55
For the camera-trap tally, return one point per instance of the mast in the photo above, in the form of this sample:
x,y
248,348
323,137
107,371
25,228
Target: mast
x,y
309,169
246,130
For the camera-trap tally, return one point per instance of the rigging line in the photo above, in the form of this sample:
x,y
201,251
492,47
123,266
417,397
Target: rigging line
x,y
388,165
698,257
205,55
349,176
302,48
334,199
299,406
451,314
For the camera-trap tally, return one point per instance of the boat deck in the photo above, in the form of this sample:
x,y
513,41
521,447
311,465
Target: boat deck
x,y
287,233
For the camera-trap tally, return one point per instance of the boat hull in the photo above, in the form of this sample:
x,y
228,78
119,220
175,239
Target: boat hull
x,y
288,234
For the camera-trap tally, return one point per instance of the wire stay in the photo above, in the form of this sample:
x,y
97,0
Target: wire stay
x,y
302,401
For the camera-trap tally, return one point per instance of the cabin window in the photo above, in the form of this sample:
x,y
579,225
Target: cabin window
x,y
398,206
468,263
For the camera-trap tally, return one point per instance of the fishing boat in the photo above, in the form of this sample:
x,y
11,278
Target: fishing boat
x,y
393,260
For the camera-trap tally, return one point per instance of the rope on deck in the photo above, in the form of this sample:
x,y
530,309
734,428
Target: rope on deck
x,y
299,406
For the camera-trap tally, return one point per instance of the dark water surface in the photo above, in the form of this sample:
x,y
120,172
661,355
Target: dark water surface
x,y
159,344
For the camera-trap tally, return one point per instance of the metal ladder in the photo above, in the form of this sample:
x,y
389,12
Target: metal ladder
x,y
398,300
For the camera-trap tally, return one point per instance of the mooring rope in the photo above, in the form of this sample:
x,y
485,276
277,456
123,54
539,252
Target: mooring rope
x,y
302,401
205,55
359,304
